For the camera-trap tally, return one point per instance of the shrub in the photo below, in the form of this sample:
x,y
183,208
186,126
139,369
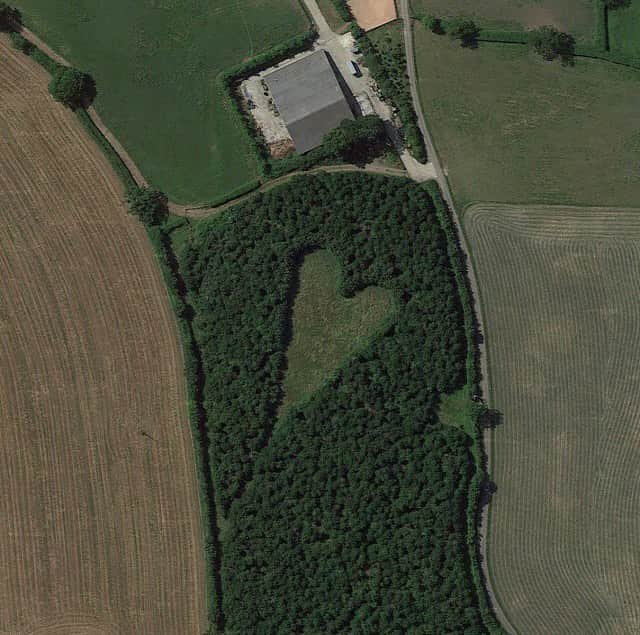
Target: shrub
x,y
21,43
434,24
364,131
389,70
72,87
466,31
10,18
550,43
150,206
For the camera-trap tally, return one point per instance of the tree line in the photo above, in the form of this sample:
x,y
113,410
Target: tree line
x,y
351,516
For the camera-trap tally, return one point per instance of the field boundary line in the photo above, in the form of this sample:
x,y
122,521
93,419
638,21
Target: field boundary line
x,y
483,382
206,495
136,173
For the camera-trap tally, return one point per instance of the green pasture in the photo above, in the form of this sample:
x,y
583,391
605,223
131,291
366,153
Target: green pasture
x,y
511,127
579,17
624,31
155,65
328,328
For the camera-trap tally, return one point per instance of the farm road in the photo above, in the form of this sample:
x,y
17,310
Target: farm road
x,y
339,47
193,211
111,138
482,350
203,212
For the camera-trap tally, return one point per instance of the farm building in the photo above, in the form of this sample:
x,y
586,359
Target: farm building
x,y
309,99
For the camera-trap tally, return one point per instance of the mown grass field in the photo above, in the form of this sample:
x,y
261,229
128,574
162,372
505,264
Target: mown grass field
x,y
99,518
579,17
624,31
562,316
328,328
155,65
566,135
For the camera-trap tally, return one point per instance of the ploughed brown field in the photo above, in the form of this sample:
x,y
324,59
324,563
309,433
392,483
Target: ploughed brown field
x,y
99,515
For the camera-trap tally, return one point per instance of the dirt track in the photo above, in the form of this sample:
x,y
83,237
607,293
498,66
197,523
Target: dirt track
x,y
99,517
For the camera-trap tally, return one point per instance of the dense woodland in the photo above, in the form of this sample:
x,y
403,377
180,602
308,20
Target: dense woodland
x,y
351,516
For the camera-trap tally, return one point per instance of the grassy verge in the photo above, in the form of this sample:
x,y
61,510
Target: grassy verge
x,y
458,407
332,16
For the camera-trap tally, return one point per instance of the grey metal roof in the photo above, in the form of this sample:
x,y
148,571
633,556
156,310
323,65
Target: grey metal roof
x,y
309,99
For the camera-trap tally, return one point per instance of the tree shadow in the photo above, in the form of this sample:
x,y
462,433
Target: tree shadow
x,y
490,419
89,91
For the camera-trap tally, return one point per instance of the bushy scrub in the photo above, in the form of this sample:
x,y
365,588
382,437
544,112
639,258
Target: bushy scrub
x,y
148,205
550,43
72,87
387,64
350,517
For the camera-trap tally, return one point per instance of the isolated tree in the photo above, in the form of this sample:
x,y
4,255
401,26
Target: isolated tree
x,y
364,132
434,24
150,206
550,43
72,87
10,18
466,31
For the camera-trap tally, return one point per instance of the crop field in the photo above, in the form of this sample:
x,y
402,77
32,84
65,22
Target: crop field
x,y
579,17
155,66
328,328
562,319
568,135
99,514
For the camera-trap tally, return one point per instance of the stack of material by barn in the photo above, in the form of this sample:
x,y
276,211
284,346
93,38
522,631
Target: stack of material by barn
x,y
309,99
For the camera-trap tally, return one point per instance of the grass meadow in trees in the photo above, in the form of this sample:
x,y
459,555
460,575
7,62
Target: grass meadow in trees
x,y
579,17
155,66
350,515
326,327
568,134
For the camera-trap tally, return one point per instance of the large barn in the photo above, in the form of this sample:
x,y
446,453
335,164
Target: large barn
x,y
309,99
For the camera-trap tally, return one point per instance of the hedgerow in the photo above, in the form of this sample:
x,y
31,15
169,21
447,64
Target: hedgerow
x,y
480,478
160,241
229,80
343,9
389,70
352,516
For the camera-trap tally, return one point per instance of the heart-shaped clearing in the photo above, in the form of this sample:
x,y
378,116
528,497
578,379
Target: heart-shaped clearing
x,y
327,328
